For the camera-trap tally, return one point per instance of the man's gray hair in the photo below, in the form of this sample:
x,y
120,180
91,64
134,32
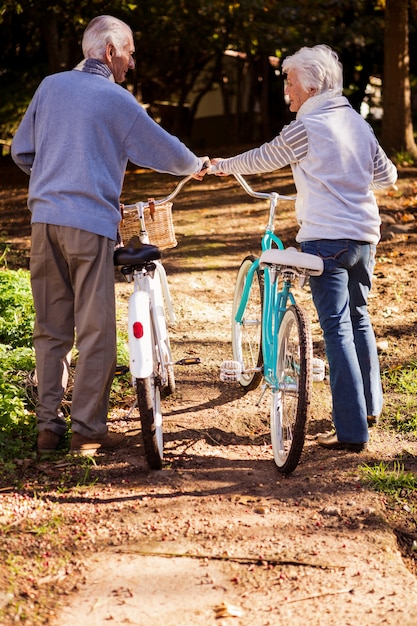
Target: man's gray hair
x,y
317,68
102,30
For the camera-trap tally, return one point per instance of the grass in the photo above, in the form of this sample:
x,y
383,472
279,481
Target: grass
x,y
393,480
400,387
400,414
402,377
18,392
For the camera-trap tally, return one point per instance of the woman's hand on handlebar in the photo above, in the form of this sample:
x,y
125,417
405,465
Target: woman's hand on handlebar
x,y
209,167
214,169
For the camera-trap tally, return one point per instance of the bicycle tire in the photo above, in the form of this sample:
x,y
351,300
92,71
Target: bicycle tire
x,y
247,336
149,405
160,295
290,403
169,388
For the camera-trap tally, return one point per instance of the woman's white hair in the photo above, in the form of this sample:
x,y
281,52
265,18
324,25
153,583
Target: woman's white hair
x,y
102,30
317,68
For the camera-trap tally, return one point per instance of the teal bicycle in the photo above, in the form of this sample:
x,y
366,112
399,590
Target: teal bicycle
x,y
271,335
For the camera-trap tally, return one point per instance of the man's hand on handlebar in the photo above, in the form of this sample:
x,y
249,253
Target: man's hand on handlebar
x,y
206,166
209,167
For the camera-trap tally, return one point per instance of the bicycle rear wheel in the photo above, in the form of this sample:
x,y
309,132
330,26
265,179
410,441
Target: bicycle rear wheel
x,y
247,334
148,392
290,403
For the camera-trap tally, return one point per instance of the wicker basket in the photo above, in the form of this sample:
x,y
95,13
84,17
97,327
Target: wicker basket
x,y
160,226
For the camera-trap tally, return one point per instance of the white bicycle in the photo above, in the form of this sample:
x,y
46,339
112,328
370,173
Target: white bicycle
x,y
150,360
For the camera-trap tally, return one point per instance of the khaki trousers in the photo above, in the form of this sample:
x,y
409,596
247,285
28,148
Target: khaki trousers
x,y
72,277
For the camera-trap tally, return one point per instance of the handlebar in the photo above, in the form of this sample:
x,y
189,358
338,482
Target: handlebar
x,y
251,192
176,190
272,196
170,197
260,194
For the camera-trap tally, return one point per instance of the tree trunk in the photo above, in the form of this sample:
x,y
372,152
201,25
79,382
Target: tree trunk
x,y
397,126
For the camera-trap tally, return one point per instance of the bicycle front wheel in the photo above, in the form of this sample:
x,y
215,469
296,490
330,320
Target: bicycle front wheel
x,y
169,388
290,402
149,405
247,334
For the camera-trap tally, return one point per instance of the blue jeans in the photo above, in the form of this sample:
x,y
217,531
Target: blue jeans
x,y
340,296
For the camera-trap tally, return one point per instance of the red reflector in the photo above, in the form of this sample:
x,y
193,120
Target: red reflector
x,y
138,330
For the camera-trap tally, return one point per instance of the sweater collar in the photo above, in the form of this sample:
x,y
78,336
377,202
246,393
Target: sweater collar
x,y
316,101
94,66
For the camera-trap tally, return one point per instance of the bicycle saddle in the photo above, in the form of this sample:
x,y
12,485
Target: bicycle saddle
x,y
290,257
136,253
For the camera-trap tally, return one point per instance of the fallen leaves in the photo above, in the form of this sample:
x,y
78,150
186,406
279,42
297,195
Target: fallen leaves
x,y
225,610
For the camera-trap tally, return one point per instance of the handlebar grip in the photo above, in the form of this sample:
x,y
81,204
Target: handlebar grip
x,y
213,169
206,162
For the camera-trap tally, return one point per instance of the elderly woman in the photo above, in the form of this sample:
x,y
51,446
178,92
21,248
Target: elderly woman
x,y
336,161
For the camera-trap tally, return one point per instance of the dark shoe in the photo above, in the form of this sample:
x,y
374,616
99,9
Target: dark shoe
x,y
331,442
47,441
372,420
86,446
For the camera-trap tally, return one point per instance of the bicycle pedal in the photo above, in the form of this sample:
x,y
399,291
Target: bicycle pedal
x,y
189,361
319,369
121,370
230,371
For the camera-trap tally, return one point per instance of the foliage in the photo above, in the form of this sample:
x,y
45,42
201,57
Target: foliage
x,y
17,423
196,34
400,382
17,362
180,50
16,308
404,159
392,480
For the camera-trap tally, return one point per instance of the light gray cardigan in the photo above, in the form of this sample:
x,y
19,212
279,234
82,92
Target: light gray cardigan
x,y
336,161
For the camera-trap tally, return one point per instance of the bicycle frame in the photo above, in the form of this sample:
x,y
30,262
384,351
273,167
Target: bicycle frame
x,y
143,235
146,319
150,312
275,301
271,336
275,305
150,299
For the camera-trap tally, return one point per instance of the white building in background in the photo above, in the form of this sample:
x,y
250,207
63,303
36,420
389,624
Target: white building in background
x,y
371,107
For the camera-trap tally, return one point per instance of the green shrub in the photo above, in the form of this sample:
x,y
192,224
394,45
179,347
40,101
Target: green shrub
x,y
17,422
16,308
400,387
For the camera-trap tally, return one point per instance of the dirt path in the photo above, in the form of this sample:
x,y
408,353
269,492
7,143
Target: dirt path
x,y
219,536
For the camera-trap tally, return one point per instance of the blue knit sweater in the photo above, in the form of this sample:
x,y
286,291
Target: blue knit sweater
x,y
75,140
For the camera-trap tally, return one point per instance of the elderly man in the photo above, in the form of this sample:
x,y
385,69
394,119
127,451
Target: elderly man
x,y
74,141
